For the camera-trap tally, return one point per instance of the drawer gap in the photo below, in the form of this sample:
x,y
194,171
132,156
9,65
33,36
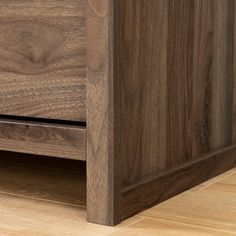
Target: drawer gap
x,y
44,178
42,120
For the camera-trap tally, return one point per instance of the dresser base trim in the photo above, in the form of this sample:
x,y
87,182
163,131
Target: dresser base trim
x,y
149,192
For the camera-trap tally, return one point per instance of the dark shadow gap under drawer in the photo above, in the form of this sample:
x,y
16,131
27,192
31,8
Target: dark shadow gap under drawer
x,y
43,178
43,120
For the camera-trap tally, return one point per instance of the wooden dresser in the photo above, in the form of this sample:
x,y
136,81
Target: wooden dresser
x,y
144,91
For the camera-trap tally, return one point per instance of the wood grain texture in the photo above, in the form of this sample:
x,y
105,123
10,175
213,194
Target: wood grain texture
x,y
53,181
158,226
202,84
223,73
159,95
177,180
142,35
202,206
176,69
42,59
179,81
45,8
102,163
154,80
43,139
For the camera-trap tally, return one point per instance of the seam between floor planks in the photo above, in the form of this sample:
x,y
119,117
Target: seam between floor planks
x,y
42,199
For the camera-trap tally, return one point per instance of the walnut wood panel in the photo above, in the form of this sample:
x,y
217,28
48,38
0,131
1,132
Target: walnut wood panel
x,y
42,59
176,67
43,139
142,71
102,163
159,95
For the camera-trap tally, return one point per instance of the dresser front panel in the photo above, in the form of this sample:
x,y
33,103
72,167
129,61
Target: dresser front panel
x,y
42,59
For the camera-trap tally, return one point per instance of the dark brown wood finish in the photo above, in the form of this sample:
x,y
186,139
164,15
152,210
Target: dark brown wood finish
x,y
202,72
177,72
174,78
42,59
142,72
103,183
43,139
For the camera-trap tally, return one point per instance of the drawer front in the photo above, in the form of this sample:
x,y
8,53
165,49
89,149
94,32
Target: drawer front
x,y
42,58
43,139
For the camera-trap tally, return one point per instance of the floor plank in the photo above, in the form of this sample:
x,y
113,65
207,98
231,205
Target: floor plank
x,y
159,227
29,217
204,207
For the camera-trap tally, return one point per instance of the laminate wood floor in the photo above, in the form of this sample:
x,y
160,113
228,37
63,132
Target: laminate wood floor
x,y
37,201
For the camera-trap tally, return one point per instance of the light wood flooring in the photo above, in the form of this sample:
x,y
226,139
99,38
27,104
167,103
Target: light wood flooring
x,y
39,201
